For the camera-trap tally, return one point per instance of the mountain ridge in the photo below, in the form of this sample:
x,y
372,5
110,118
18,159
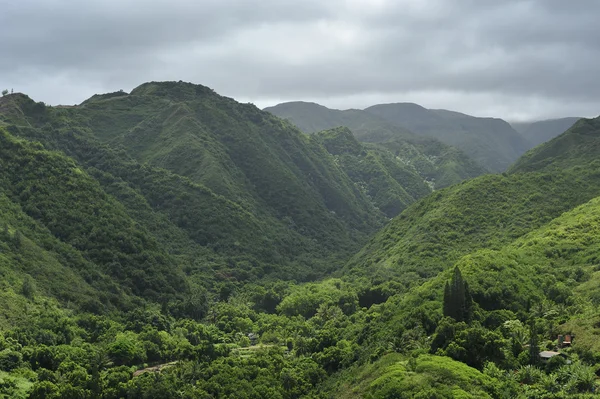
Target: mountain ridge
x,y
174,241
538,132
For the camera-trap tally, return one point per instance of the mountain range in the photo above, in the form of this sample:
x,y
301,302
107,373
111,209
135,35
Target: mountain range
x,y
491,142
174,241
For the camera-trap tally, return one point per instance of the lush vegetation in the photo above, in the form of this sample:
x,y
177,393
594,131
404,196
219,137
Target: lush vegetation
x,y
312,118
173,243
492,142
388,181
436,162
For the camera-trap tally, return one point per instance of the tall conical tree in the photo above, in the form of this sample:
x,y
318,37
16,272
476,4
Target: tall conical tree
x,y
447,300
457,298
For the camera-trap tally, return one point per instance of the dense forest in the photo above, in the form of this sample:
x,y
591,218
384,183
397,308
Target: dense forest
x,y
489,142
171,242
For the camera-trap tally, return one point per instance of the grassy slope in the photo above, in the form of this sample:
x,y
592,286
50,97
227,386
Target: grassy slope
x,y
554,266
487,212
484,213
393,376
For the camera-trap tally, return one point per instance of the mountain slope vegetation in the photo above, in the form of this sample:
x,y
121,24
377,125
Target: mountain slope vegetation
x,y
396,173
391,184
312,118
577,146
492,142
433,160
541,131
500,208
70,205
243,186
148,250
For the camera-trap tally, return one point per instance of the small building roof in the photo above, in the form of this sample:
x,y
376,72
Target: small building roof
x,y
549,354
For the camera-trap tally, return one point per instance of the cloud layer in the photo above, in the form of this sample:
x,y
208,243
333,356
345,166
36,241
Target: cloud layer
x,y
514,59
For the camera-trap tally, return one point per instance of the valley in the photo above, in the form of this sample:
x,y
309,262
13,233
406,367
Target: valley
x,y
173,242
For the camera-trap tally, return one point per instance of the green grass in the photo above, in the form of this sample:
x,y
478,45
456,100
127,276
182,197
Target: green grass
x,y
14,387
394,376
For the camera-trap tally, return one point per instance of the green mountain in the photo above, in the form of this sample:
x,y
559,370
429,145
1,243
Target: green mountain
x,y
491,142
51,203
439,163
390,183
159,244
578,145
488,211
396,173
312,118
527,246
215,171
547,277
541,131
433,159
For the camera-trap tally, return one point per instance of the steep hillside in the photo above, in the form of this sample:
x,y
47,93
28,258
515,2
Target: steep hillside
x,y
215,173
491,142
396,173
541,131
391,183
440,164
578,145
235,150
81,232
544,278
434,160
311,118
489,211
525,279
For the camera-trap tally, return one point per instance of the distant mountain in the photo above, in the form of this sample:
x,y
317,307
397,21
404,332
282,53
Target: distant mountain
x,y
579,145
490,141
311,118
541,131
439,163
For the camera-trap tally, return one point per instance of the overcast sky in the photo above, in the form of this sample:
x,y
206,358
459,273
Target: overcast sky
x,y
513,59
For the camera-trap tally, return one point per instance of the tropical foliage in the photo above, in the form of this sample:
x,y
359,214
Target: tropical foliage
x,y
173,243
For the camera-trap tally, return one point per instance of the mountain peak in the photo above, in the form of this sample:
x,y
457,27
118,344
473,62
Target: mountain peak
x,y
306,105
406,105
17,107
491,142
180,90
105,96
339,141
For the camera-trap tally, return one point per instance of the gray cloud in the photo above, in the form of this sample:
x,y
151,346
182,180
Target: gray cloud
x,y
513,59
